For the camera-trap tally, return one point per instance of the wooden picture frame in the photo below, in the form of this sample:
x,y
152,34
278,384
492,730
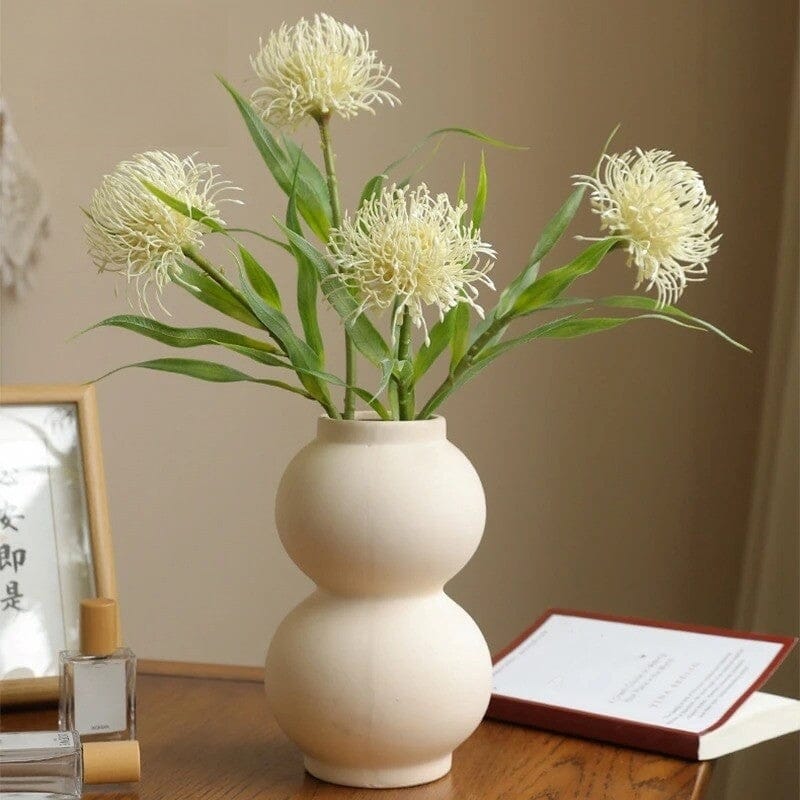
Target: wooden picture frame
x,y
85,518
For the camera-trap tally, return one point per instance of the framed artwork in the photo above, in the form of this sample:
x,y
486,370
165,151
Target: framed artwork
x,y
55,539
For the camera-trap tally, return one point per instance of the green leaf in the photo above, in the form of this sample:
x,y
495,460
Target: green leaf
x,y
200,216
306,283
439,337
372,401
388,368
363,333
372,187
553,231
313,205
182,337
479,204
206,371
560,302
265,358
262,283
307,173
647,303
459,338
299,353
273,361
183,208
208,291
481,137
546,289
550,236
570,326
461,194
260,235
605,149
368,397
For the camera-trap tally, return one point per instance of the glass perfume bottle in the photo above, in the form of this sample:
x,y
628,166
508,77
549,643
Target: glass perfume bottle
x,y
98,684
55,764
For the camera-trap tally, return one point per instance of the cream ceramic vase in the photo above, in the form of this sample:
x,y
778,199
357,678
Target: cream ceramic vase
x,y
378,675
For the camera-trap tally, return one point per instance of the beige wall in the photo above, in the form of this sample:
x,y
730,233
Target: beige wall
x,y
618,469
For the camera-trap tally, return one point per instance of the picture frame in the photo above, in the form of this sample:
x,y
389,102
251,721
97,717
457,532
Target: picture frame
x,y
55,535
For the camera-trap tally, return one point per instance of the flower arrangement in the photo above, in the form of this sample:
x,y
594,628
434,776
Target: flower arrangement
x,y
413,259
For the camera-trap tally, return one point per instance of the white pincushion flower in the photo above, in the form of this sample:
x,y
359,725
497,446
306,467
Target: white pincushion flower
x,y
662,208
317,68
410,246
133,232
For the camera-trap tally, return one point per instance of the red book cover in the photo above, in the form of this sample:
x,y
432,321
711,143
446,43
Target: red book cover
x,y
577,721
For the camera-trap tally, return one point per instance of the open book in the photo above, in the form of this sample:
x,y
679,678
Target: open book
x,y
685,691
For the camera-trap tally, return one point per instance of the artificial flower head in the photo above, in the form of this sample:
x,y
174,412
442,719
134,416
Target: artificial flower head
x,y
409,246
316,68
133,232
661,206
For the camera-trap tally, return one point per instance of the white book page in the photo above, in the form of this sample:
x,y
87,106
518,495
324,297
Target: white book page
x,y
657,676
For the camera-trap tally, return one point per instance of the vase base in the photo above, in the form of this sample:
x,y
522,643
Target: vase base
x,y
380,777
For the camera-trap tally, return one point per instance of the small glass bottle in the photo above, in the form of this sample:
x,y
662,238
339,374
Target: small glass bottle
x,y
98,684
55,764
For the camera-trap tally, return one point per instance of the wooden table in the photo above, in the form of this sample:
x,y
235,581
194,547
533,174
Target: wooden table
x,y
206,734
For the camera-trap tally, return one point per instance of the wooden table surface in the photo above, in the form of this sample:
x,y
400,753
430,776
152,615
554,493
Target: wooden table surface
x,y
205,734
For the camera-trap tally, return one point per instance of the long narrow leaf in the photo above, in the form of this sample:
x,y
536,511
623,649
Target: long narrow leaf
x,y
265,358
260,235
567,327
438,339
306,282
461,193
373,402
647,303
371,188
183,208
260,279
307,173
182,337
546,289
550,236
560,302
481,137
479,204
206,371
571,327
313,206
362,331
208,291
459,337
299,353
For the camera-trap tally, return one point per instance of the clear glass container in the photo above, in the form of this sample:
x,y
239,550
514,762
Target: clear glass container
x,y
54,765
44,765
98,695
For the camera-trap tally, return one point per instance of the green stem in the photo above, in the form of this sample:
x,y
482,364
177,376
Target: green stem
x,y
405,390
336,214
330,170
215,274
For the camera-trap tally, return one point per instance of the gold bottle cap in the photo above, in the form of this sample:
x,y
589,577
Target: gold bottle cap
x,y
98,626
111,762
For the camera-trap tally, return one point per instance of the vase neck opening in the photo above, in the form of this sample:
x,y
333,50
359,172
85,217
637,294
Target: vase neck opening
x,y
368,428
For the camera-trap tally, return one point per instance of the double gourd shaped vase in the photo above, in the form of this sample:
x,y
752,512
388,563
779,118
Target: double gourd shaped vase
x,y
378,675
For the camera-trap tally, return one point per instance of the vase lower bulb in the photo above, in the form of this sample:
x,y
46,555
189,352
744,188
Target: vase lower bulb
x,y
378,693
